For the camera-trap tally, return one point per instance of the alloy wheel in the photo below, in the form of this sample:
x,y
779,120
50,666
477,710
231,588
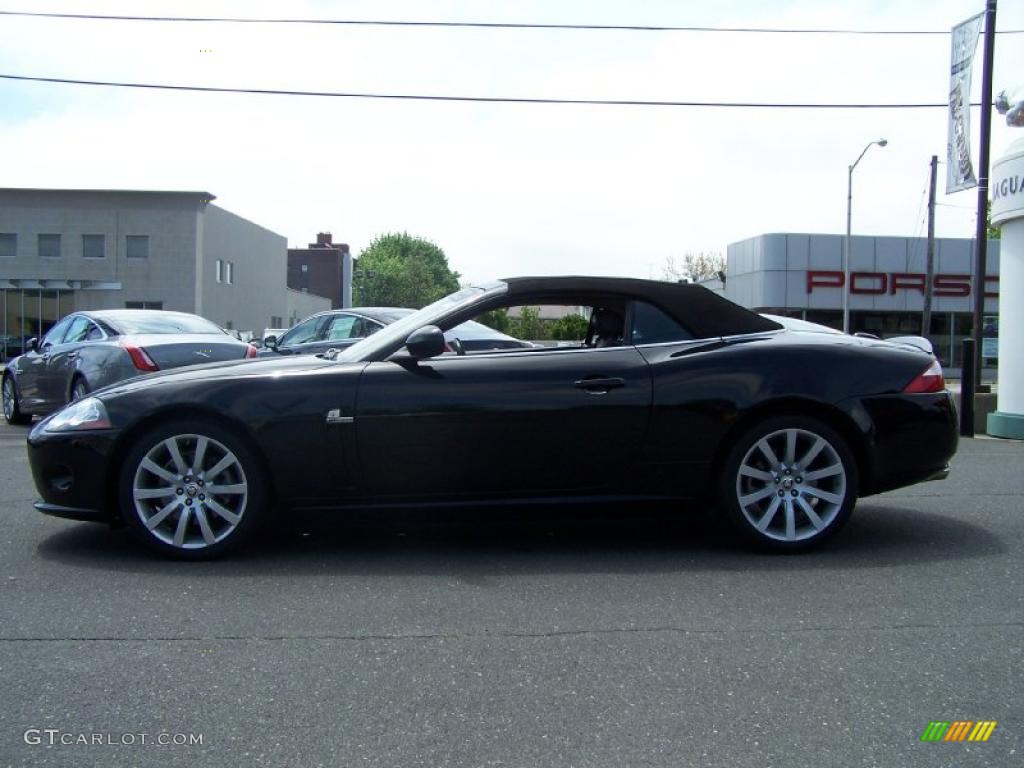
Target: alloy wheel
x,y
9,399
791,485
190,491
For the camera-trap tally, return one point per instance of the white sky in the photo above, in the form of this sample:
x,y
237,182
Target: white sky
x,y
504,189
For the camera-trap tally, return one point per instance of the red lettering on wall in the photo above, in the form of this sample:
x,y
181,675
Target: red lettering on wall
x,y
877,283
907,280
880,280
957,286
824,278
992,279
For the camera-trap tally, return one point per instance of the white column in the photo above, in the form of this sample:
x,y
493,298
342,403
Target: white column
x,y
1006,189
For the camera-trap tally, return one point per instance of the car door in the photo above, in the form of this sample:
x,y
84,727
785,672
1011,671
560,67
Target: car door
x,y
32,366
55,378
510,423
303,338
343,329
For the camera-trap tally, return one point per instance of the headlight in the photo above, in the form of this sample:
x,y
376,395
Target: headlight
x,y
88,413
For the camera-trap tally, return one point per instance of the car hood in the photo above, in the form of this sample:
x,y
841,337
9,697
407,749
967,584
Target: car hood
x,y
232,369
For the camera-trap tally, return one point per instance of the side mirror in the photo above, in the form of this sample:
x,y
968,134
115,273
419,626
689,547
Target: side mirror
x,y
425,342
270,342
33,344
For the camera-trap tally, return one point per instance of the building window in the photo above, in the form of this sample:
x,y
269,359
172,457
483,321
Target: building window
x,y
305,267
220,271
8,245
143,305
229,272
94,246
49,246
136,246
276,321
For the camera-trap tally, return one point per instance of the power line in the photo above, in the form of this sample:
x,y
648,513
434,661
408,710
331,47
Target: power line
x,y
486,99
493,25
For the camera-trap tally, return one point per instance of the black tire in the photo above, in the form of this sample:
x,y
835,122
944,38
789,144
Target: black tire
x,y
781,509
207,532
12,403
79,389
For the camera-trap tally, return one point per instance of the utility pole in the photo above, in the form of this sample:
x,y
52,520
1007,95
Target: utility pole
x,y
981,232
929,268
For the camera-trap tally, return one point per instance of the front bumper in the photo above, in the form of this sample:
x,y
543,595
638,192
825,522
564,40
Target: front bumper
x,y
72,513
71,471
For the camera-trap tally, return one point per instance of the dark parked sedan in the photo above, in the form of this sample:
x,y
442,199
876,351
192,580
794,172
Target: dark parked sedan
x,y
89,350
676,393
340,328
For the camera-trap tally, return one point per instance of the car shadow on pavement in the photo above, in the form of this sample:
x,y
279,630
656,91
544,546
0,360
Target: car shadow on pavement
x,y
602,539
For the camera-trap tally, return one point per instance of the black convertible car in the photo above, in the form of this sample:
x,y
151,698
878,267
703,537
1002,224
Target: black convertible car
x,y
676,393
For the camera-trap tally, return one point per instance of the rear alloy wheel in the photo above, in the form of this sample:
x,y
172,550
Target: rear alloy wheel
x,y
192,490
789,483
12,407
79,389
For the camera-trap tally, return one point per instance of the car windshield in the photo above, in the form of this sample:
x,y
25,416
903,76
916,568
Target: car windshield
x,y
159,322
394,335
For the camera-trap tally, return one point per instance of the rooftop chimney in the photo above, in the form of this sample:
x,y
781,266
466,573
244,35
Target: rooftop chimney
x,y
323,239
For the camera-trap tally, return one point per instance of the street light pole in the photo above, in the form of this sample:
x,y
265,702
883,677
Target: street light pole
x,y
846,243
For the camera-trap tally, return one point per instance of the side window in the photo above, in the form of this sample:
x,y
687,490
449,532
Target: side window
x,y
652,326
370,327
342,327
302,333
55,334
78,330
94,333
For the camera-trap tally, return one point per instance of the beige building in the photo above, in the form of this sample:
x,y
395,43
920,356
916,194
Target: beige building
x,y
65,250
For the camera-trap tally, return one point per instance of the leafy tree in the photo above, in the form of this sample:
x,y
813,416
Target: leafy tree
x,y
402,271
693,266
528,325
497,319
570,328
994,230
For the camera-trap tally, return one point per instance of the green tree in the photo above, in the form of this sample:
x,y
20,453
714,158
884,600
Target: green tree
x,y
569,328
528,326
995,232
402,271
497,319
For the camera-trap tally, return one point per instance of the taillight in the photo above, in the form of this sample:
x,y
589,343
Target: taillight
x,y
930,380
140,359
251,351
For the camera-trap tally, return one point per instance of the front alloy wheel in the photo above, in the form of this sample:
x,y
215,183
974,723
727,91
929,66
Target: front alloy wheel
x,y
790,483
192,491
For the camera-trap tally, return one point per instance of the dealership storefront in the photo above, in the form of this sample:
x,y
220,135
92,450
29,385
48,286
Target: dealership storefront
x,y
801,275
29,308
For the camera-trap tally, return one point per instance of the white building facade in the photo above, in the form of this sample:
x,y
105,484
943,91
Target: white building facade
x,y
801,275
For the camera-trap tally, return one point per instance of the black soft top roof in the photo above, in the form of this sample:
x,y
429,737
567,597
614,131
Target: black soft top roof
x,y
704,313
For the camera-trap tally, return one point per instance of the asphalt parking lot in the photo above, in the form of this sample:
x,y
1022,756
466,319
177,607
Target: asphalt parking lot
x,y
583,637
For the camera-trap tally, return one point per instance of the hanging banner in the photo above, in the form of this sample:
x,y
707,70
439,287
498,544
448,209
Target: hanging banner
x,y
959,168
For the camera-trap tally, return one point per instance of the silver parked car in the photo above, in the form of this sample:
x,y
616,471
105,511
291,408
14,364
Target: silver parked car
x,y
89,350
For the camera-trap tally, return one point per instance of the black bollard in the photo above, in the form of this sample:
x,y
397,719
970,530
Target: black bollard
x,y
967,389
